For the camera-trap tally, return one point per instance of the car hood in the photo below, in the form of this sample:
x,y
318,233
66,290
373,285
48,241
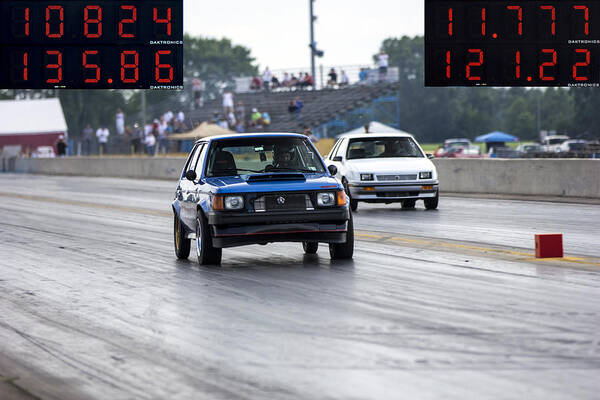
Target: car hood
x,y
392,165
249,184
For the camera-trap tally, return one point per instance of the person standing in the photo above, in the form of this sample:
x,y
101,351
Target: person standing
x,y
102,135
266,78
150,142
162,136
197,89
136,138
332,78
61,146
120,122
383,60
87,135
227,102
345,81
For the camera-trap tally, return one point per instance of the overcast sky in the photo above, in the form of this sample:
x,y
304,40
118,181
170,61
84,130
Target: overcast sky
x,y
277,31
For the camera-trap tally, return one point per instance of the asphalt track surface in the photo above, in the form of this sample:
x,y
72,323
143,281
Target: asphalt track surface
x,y
436,304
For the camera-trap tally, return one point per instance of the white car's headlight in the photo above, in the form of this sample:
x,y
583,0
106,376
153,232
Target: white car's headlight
x,y
234,202
326,199
425,175
366,177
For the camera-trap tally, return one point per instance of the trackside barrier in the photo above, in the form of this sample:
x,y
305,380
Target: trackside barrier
x,y
528,177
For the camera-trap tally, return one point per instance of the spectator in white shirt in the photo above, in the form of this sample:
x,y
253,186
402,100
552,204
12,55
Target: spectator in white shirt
x,y
180,117
102,135
150,142
267,79
344,79
383,65
120,122
227,102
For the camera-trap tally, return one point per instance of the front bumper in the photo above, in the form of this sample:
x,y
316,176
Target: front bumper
x,y
237,229
376,192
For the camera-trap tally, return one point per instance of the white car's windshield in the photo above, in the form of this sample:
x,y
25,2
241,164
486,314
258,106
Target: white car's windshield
x,y
247,156
386,147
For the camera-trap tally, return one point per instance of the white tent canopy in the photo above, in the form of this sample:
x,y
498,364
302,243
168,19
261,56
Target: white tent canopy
x,y
375,127
32,117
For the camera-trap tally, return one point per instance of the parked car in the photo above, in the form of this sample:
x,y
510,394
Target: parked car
x,y
461,147
529,148
551,144
385,168
573,146
239,190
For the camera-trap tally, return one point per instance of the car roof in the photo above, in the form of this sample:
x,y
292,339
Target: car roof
x,y
250,135
374,135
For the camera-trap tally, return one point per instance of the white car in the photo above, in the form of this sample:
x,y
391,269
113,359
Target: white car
x,y
385,168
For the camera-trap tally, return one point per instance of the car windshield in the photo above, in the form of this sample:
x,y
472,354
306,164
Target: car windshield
x,y
386,147
255,155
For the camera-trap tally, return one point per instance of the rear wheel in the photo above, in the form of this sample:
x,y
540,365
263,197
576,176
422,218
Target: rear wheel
x,y
207,254
344,251
432,203
353,203
182,244
310,247
409,204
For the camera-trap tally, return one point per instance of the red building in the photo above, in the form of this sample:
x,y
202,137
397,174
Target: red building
x,y
31,123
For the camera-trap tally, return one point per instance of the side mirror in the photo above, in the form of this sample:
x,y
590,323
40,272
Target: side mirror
x,y
337,159
333,170
430,156
191,175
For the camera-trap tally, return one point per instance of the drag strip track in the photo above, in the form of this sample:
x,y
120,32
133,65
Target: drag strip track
x,y
446,304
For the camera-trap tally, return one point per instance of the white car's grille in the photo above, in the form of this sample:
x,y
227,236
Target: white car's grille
x,y
389,178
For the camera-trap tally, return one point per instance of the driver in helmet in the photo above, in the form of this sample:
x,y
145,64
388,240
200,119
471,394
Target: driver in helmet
x,y
284,156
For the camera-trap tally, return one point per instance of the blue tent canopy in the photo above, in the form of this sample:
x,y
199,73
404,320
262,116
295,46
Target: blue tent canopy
x,y
496,137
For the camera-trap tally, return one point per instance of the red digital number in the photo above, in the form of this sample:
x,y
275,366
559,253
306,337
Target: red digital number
x,y
483,22
552,63
448,68
124,21
57,66
86,65
586,15
129,66
581,64
553,12
160,67
93,21
163,20
61,25
472,64
450,22
518,65
25,66
519,11
20,22
27,21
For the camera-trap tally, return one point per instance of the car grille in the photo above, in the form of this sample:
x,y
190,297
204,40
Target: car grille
x,y
278,202
390,178
397,194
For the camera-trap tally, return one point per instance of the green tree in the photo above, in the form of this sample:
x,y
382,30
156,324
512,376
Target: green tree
x,y
95,107
406,53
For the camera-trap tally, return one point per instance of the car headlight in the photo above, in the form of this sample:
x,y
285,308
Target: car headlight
x,y
326,199
234,202
366,177
425,175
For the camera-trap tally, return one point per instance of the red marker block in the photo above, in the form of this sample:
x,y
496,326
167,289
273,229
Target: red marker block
x,y
549,246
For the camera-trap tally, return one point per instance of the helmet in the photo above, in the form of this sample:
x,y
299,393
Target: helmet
x,y
284,154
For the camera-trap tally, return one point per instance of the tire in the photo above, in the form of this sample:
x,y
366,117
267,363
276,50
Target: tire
x,y
432,203
182,245
207,254
409,204
310,247
353,203
344,251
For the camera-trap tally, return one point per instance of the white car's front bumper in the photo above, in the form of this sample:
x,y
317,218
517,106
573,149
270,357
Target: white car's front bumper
x,y
390,192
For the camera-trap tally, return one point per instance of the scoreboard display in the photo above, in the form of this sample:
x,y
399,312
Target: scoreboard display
x,y
95,44
512,43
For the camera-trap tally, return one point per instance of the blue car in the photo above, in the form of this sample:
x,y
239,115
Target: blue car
x,y
256,189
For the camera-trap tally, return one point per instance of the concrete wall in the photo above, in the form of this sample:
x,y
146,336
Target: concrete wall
x,y
539,177
547,177
142,168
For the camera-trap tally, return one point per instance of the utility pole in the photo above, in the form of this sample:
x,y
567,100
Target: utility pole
x,y
312,42
143,108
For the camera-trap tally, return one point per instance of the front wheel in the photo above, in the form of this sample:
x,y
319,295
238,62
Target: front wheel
x,y
353,203
310,247
207,254
182,244
344,251
432,203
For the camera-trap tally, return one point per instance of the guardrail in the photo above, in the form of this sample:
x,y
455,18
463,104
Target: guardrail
x,y
527,177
